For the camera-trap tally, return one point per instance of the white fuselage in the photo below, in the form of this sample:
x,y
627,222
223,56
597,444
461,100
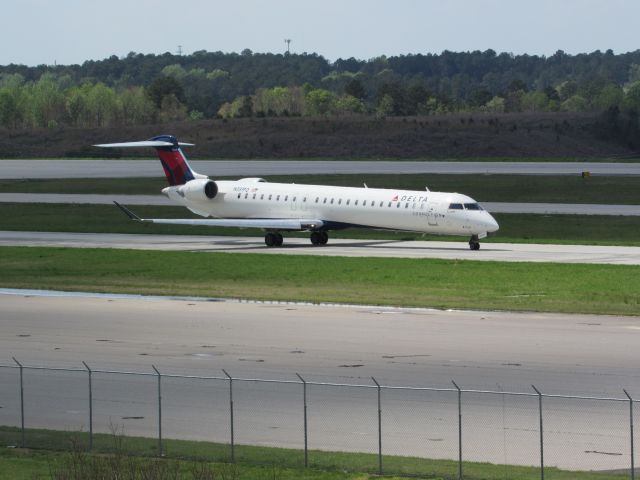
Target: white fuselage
x,y
340,207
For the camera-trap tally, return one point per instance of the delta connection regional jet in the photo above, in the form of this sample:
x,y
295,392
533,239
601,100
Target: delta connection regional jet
x,y
286,207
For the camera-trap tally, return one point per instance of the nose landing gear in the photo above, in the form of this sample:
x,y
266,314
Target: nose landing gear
x,y
474,242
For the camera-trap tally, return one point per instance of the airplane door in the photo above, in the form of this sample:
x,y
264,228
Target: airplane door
x,y
432,216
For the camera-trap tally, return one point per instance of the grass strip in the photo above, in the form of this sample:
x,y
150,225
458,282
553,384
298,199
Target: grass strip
x,y
254,462
495,188
514,228
548,287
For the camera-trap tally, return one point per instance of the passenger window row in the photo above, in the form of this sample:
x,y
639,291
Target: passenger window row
x,y
364,203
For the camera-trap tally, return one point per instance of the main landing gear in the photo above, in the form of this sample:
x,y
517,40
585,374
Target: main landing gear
x,y
474,242
319,238
273,239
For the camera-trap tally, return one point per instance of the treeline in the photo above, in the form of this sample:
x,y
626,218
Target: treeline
x,y
53,101
395,99
140,89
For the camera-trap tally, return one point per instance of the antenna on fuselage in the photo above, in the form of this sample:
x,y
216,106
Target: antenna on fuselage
x,y
427,189
365,185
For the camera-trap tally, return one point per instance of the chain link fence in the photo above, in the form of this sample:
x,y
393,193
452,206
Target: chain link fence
x,y
394,425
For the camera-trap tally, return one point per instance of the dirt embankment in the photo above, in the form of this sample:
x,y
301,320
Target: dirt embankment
x,y
446,136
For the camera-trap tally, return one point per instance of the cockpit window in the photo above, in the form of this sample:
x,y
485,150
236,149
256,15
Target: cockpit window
x,y
455,206
472,206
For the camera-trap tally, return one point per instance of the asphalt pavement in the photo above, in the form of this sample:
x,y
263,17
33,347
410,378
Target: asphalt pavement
x,y
151,168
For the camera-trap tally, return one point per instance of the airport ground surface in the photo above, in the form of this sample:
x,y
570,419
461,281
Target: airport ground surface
x,y
500,351
149,168
505,252
566,354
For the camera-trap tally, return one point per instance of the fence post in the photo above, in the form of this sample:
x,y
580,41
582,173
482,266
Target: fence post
x,y
22,444
304,399
159,410
541,432
633,466
379,427
459,429
233,453
90,406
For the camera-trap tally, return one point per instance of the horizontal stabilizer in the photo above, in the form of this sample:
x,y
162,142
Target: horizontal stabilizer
x,y
127,212
145,143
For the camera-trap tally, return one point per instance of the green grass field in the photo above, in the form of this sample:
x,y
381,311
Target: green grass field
x,y
496,188
570,288
48,447
514,228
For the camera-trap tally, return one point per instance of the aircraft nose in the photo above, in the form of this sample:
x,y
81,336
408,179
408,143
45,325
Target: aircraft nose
x,y
492,225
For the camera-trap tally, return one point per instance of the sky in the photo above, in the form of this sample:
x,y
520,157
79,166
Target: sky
x,y
71,31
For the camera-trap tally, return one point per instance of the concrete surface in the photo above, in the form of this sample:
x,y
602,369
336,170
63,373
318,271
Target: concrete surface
x,y
505,252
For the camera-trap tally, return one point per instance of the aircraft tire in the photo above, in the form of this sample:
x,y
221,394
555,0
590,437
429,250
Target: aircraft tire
x,y
324,238
271,239
316,238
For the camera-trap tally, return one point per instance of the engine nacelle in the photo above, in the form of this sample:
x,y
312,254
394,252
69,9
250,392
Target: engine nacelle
x,y
199,190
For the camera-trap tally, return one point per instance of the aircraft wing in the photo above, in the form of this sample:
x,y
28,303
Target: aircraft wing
x,y
265,223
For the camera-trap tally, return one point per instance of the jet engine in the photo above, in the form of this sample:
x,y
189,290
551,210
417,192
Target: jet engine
x,y
199,190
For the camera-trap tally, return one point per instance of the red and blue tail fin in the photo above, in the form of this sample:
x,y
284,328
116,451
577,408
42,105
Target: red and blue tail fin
x,y
175,165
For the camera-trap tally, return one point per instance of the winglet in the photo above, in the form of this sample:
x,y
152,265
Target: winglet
x,y
128,212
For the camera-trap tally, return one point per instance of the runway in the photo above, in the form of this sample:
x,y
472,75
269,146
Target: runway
x,y
504,252
151,168
160,200
501,351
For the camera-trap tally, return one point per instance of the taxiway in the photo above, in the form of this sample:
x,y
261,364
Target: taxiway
x,y
504,252
217,168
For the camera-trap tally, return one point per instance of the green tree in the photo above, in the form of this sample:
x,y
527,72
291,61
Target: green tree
x,y
551,93
634,73
136,106
172,109
386,106
349,104
576,103
216,74
176,71
8,109
356,89
610,96
46,102
76,106
102,105
567,90
320,102
246,109
632,97
535,102
11,80
495,105
162,87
